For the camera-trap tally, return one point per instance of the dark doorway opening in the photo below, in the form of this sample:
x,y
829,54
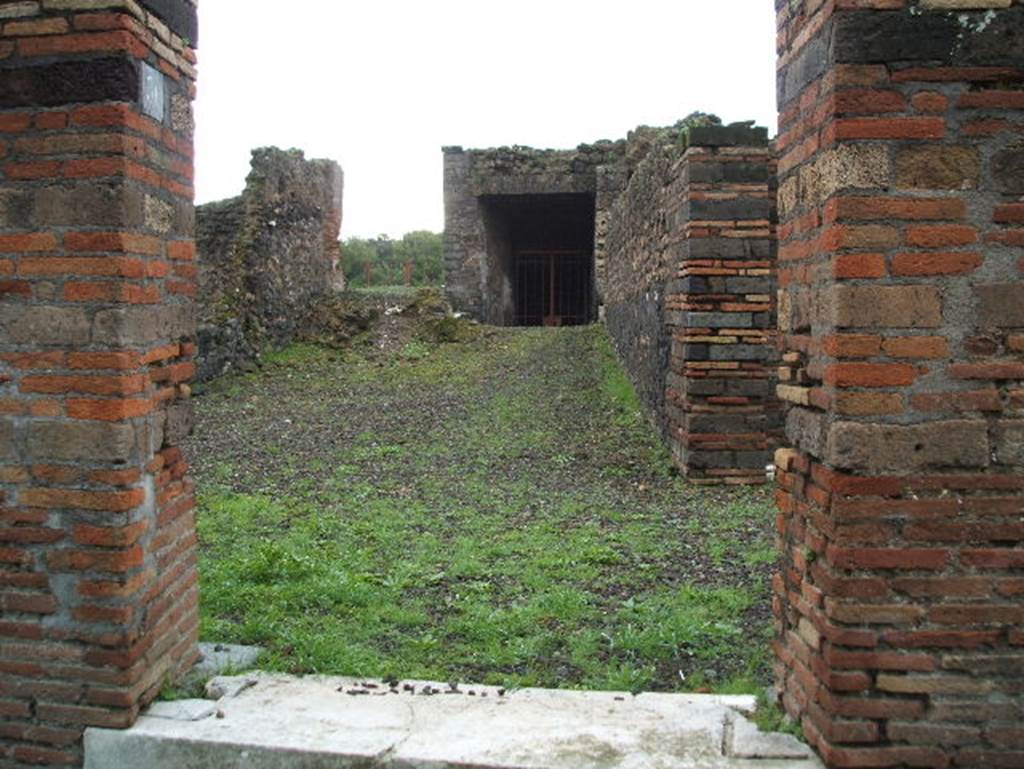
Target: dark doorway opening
x,y
541,259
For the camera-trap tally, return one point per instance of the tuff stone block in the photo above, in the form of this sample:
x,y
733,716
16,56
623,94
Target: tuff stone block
x,y
110,78
939,167
1000,305
881,448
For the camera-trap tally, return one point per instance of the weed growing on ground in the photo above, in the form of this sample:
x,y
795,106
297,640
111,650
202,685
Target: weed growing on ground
x,y
496,510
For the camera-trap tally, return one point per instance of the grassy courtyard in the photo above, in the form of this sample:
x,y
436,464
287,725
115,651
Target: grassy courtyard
x,y
495,510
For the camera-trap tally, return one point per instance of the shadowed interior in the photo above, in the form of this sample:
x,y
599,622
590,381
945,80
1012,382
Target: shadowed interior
x,y
540,251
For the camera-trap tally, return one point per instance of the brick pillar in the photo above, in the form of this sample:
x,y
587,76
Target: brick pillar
x,y
97,545
900,604
720,309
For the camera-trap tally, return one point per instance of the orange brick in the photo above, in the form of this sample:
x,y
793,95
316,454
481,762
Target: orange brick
x,y
931,347
844,208
94,167
113,241
15,288
865,100
39,360
1010,213
100,560
15,122
110,536
55,474
852,345
859,266
188,288
871,374
987,370
101,21
95,291
930,101
94,385
992,99
116,477
161,353
46,408
42,169
181,250
936,263
940,235
83,43
114,501
889,128
113,410
46,121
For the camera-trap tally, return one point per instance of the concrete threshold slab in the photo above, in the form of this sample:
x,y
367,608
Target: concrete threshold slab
x,y
267,721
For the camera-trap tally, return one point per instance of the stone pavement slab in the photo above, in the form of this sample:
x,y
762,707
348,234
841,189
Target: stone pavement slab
x,y
283,722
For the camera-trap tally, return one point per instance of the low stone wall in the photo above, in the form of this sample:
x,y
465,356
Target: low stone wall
x,y
265,256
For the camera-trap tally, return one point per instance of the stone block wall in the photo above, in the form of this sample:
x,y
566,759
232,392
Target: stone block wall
x,y
98,596
689,294
721,310
901,599
643,234
266,256
473,280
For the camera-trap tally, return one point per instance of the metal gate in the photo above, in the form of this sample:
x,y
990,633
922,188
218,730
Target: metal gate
x,y
553,288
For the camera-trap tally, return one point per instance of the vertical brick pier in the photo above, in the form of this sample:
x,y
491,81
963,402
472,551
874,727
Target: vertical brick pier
x,y
720,308
900,607
97,546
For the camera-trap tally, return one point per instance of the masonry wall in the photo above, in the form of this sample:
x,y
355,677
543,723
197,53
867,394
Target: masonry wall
x,y
473,281
644,232
901,600
690,296
97,546
266,256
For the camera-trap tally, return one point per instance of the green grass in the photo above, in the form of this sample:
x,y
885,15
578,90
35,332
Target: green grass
x,y
498,511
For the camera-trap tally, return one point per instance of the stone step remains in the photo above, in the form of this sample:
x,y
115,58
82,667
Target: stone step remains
x,y
270,721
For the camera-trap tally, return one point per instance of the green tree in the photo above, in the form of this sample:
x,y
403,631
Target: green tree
x,y
388,259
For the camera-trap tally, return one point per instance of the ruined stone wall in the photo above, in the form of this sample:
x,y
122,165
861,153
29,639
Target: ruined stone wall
x,y
471,279
266,256
900,602
98,587
690,295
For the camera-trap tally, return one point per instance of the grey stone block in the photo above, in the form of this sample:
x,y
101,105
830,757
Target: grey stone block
x,y
719,320
43,325
873,448
8,450
744,352
78,441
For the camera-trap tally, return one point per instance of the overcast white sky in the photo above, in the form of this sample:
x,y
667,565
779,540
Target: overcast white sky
x,y
381,85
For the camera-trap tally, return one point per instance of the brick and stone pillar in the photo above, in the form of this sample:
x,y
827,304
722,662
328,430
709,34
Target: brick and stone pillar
x,y
720,308
900,605
97,545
